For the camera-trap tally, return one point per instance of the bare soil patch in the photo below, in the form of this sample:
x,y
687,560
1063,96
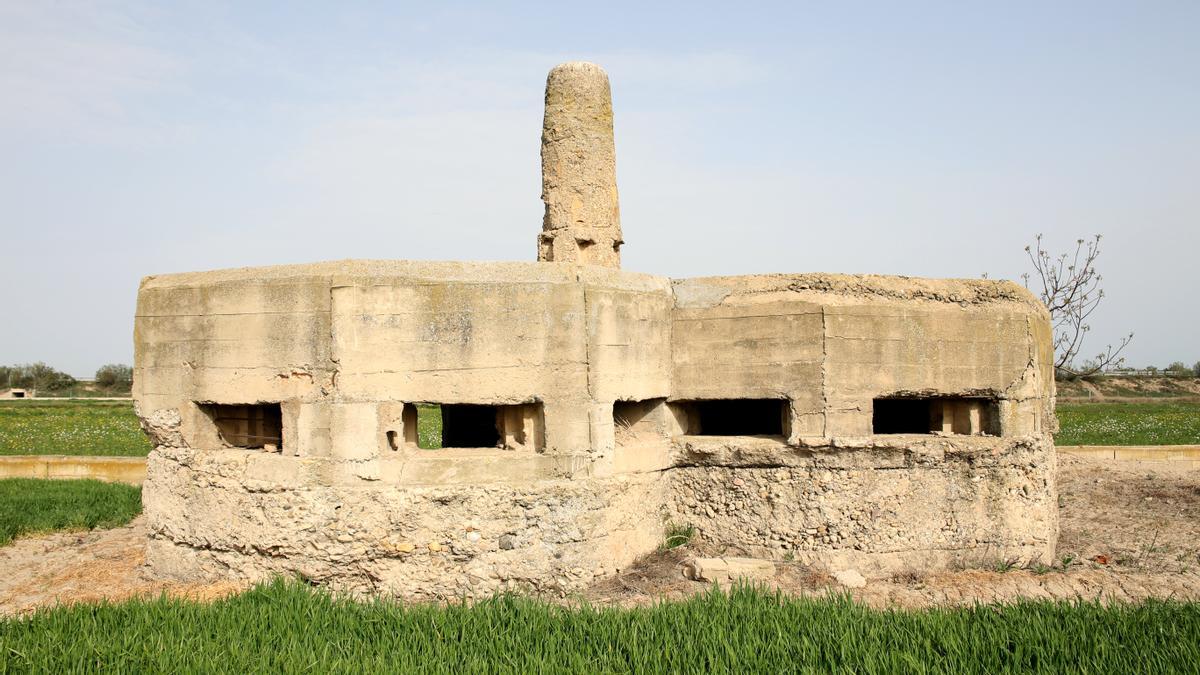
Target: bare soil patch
x,y
69,567
1128,389
1129,530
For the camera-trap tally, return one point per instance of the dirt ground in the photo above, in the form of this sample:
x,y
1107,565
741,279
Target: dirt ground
x,y
1128,389
1129,530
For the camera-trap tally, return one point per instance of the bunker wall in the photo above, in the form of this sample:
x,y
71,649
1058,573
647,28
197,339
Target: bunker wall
x,y
602,380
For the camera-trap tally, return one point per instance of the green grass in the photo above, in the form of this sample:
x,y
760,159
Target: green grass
x,y
70,428
1167,423
33,505
678,534
429,426
286,627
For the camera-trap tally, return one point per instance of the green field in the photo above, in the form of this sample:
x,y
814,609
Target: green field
x,y
1166,423
70,428
33,505
287,627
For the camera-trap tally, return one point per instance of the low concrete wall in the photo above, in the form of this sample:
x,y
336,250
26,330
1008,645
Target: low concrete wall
x,y
115,469
1188,455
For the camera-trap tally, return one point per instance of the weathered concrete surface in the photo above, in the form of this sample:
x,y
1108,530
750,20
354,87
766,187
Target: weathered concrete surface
x,y
579,169
115,469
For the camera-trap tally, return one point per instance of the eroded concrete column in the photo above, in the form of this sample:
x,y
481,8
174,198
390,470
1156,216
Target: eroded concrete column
x,y
579,174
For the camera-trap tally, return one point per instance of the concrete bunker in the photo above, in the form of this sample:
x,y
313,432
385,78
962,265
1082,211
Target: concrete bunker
x,y
881,423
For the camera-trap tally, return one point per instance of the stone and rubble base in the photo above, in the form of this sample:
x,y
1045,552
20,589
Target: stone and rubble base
x,y
871,510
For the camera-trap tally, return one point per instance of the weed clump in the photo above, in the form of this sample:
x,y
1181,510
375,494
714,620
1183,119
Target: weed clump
x,y
677,535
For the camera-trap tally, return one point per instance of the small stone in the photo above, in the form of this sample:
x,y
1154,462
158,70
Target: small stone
x,y
406,547
726,570
472,536
345,538
434,547
850,579
508,542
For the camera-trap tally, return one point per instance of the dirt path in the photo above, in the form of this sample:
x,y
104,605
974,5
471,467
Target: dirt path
x,y
1130,530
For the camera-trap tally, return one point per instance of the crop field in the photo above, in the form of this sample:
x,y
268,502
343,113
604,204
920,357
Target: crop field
x,y
1166,423
35,505
288,627
70,428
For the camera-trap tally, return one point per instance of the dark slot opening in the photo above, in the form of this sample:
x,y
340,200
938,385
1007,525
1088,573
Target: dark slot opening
x,y
431,426
467,425
248,426
901,416
956,415
737,417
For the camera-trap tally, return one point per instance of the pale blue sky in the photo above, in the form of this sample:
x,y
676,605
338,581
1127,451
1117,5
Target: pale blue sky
x,y
930,139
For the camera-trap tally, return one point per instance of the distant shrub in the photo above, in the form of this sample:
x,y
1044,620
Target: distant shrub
x,y
115,376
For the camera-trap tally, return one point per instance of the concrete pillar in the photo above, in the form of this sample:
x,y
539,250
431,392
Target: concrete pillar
x,y
579,176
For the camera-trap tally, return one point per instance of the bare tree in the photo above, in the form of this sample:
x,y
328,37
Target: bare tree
x,y
1070,287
